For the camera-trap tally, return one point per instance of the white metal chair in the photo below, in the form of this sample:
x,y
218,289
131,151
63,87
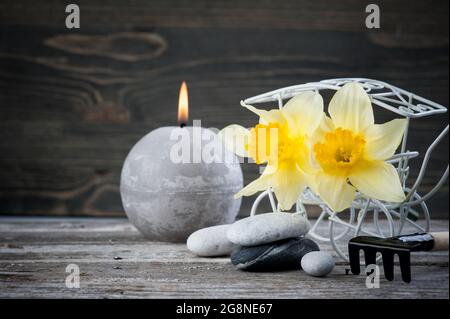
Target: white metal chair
x,y
412,211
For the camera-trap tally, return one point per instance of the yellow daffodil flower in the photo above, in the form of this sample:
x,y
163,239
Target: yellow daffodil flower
x,y
351,150
281,141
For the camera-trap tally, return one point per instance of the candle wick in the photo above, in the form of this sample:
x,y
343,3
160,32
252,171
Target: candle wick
x,y
182,125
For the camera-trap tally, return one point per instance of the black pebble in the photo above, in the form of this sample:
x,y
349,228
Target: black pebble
x,y
280,255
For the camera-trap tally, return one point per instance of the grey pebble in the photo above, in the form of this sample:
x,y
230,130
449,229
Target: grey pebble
x,y
267,228
317,263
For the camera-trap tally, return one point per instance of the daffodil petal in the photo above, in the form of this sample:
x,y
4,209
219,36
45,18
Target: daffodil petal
x,y
378,180
260,184
326,125
383,139
235,137
288,184
350,108
334,190
304,112
311,180
308,165
266,117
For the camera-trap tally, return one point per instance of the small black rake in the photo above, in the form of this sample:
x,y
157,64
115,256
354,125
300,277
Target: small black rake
x,y
389,247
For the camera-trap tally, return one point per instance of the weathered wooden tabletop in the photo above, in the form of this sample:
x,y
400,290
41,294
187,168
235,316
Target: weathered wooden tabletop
x,y
34,254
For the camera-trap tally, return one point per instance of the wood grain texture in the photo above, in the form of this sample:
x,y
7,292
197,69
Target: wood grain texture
x,y
73,102
34,253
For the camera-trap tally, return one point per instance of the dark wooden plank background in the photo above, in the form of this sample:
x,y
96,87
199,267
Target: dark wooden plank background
x,y
73,102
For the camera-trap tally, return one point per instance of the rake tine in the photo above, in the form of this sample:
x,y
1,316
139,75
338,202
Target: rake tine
x,y
370,256
353,252
405,265
388,264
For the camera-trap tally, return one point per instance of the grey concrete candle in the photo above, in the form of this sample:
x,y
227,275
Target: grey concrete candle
x,y
168,201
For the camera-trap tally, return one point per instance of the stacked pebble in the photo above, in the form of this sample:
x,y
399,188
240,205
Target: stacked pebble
x,y
271,241
266,242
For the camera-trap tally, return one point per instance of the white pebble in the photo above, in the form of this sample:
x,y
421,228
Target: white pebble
x,y
317,263
210,242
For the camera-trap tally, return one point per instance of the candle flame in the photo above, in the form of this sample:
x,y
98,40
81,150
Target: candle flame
x,y
183,104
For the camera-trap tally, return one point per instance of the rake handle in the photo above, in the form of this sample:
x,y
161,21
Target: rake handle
x,y
440,241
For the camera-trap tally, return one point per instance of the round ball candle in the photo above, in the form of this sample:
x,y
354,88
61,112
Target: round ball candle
x,y
173,184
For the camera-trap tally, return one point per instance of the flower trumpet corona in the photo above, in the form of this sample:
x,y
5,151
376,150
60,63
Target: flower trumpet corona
x,y
281,140
350,150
